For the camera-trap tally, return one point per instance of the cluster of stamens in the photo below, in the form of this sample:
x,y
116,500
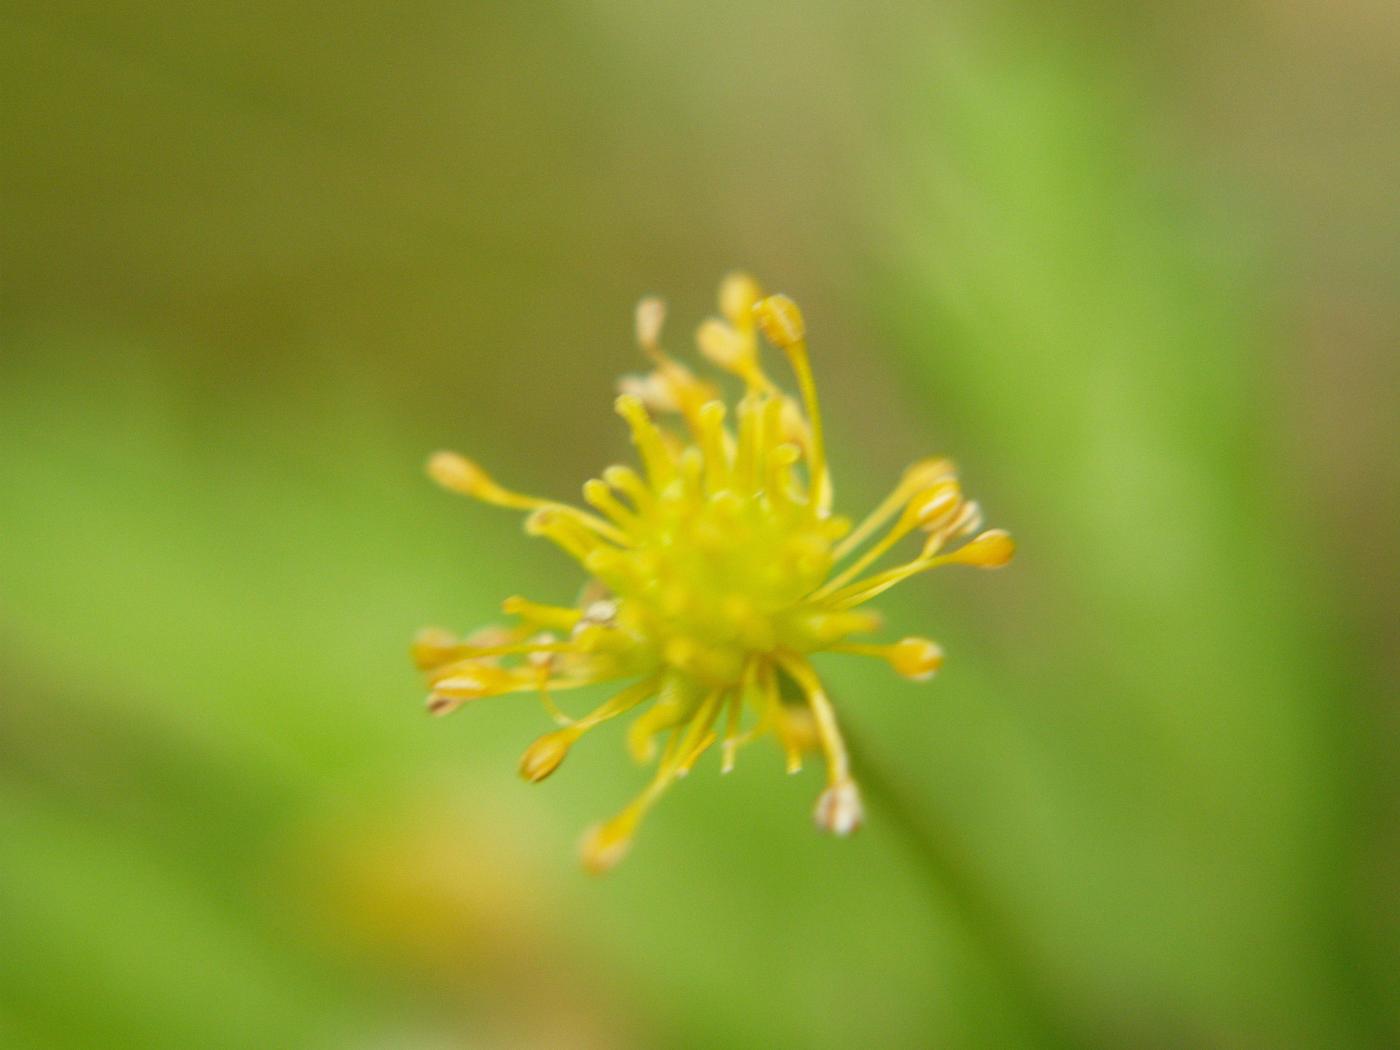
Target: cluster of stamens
x,y
715,572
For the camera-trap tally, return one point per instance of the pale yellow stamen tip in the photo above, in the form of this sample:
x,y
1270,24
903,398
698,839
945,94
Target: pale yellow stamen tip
x,y
538,522
839,809
544,756
432,647
457,473
781,321
652,390
737,294
916,658
721,344
630,407
935,506
651,315
991,550
929,472
459,688
604,845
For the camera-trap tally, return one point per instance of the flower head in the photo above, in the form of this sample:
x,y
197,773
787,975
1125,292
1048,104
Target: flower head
x,y
714,573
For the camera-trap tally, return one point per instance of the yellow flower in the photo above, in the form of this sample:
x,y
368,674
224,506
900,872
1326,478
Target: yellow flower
x,y
715,572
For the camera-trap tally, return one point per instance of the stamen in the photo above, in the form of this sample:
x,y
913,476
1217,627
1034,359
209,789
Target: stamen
x,y
738,293
991,550
774,717
652,390
779,484
838,769
655,455
783,326
838,808
734,351
457,473
545,755
451,693
746,456
473,652
917,659
433,647
734,723
714,440
921,475
599,495
672,708
555,616
575,542
630,484
700,735
927,507
650,316
605,844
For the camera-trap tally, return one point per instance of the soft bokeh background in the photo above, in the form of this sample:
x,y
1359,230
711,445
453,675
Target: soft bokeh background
x,y
1134,266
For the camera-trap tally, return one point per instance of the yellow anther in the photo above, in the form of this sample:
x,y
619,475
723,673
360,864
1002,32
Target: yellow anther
x,y
722,345
463,686
651,315
930,471
604,845
457,473
738,293
544,756
991,550
781,321
916,658
935,506
479,681
433,647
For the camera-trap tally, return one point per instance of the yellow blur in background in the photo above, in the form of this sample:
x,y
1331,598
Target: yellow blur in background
x,y
1133,269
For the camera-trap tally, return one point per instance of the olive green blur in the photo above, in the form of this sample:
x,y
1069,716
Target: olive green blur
x,y
1132,266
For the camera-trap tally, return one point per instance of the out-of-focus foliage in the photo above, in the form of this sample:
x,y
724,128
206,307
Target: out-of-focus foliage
x,y
1135,270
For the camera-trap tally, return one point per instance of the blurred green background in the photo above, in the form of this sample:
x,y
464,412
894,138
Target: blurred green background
x,y
1134,267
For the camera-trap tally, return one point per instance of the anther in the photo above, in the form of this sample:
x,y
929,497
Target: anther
x,y
651,315
917,659
737,294
991,550
936,505
546,754
457,473
604,845
781,321
722,345
839,808
432,647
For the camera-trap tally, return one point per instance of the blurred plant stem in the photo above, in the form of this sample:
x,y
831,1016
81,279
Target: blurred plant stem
x,y
952,881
